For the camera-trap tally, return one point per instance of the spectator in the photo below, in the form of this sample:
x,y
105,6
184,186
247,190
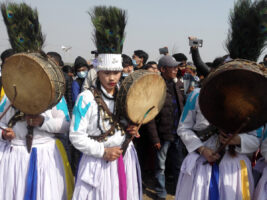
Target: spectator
x,y
127,66
139,59
163,129
80,70
152,66
182,59
190,78
56,58
69,76
91,76
68,70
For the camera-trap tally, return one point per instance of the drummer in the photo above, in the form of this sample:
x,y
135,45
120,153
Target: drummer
x,y
103,173
34,164
127,66
231,178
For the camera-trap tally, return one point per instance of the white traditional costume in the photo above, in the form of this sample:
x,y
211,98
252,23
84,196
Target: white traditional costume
x,y
261,189
97,178
3,143
232,179
94,117
44,173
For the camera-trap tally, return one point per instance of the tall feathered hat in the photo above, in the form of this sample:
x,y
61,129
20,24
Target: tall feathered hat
x,y
248,29
23,28
109,24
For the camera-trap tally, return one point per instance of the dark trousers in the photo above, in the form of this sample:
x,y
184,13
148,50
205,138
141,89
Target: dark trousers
x,y
177,152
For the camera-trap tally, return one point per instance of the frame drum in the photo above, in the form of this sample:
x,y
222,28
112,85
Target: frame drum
x,y
140,91
39,82
233,93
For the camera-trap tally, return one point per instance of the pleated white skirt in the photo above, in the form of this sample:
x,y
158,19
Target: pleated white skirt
x,y
3,145
14,170
194,179
261,189
97,179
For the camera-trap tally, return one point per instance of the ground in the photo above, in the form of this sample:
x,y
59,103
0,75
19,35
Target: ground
x,y
149,187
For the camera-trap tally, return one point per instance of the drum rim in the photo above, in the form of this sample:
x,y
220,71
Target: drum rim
x,y
127,96
227,68
34,57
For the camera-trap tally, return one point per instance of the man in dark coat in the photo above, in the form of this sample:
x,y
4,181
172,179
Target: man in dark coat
x,y
163,129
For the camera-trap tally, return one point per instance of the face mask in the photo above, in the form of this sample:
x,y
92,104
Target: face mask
x,y
125,74
82,74
134,62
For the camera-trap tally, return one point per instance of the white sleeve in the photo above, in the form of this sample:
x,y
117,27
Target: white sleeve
x,y
249,142
187,122
81,119
3,106
264,144
57,119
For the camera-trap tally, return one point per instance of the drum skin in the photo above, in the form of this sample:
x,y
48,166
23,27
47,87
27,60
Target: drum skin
x,y
140,91
233,93
39,82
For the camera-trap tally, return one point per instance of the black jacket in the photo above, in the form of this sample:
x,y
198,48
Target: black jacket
x,y
162,126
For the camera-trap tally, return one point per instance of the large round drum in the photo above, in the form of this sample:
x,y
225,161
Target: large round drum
x,y
40,84
140,91
233,93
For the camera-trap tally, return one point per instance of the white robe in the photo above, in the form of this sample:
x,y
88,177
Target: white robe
x,y
261,189
194,179
98,179
15,160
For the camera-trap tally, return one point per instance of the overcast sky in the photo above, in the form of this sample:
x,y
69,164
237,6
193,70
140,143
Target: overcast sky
x,y
151,24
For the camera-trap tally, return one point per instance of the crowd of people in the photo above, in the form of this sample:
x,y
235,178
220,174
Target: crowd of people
x,y
83,146
172,136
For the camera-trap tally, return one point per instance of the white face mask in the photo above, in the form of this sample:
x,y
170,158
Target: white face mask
x,y
82,74
125,74
134,63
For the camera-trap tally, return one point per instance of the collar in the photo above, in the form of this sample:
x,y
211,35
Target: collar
x,y
106,94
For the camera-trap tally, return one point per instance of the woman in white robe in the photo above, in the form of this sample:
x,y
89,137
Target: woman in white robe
x,y
43,173
98,175
232,179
